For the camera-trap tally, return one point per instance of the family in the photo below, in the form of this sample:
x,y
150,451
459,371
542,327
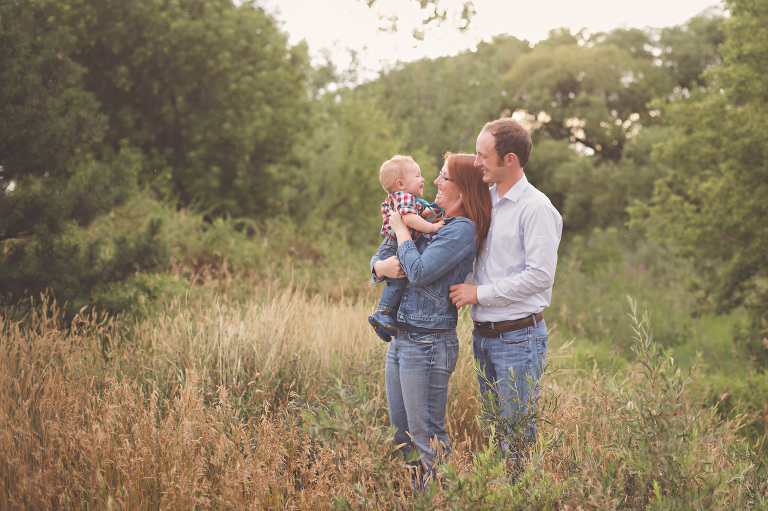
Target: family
x,y
492,248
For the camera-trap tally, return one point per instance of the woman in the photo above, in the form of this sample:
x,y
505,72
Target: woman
x,y
423,353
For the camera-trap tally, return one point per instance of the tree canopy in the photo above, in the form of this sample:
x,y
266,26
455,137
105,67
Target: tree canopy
x,y
191,101
49,123
199,86
712,202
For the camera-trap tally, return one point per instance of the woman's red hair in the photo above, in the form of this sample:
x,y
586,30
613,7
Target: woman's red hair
x,y
476,198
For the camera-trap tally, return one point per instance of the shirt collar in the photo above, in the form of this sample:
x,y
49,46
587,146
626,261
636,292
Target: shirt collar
x,y
514,193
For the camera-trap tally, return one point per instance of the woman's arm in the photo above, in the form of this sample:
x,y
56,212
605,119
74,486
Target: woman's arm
x,y
389,268
452,243
385,267
399,227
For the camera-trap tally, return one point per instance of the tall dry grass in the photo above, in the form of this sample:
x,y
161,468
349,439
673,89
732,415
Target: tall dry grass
x,y
89,421
278,403
277,342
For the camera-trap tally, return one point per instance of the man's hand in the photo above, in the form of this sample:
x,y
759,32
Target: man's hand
x,y
463,294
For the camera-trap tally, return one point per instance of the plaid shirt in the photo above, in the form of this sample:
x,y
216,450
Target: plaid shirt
x,y
404,203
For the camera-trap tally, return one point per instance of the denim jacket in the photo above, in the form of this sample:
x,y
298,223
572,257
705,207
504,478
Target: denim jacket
x,y
433,263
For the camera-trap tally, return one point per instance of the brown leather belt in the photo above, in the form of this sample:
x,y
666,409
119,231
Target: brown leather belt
x,y
491,329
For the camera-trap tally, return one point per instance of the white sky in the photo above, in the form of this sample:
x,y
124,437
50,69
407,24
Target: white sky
x,y
337,25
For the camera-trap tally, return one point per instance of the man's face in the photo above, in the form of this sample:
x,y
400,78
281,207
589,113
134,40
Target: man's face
x,y
487,158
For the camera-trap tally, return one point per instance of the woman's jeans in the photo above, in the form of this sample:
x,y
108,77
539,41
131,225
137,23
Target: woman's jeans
x,y
510,369
418,368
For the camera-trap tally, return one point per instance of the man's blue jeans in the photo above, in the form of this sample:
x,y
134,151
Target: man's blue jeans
x,y
521,353
418,368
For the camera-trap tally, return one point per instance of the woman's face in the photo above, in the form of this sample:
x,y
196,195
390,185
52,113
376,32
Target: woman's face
x,y
448,196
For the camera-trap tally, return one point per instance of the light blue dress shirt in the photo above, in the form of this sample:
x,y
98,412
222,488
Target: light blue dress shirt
x,y
515,269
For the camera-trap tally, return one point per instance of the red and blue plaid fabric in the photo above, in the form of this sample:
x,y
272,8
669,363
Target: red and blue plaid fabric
x,y
405,203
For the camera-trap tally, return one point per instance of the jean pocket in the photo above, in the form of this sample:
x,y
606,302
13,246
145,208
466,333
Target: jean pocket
x,y
516,337
453,354
433,296
541,346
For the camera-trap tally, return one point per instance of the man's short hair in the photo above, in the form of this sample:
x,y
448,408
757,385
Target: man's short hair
x,y
510,137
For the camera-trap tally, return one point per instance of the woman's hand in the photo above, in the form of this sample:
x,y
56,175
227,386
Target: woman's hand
x,y
399,227
389,267
396,221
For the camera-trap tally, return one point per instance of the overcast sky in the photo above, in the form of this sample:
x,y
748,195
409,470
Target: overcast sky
x,y
338,25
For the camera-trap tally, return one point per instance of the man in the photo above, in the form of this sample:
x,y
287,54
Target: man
x,y
513,276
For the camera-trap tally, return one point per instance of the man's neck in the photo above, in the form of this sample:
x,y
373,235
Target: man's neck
x,y
502,187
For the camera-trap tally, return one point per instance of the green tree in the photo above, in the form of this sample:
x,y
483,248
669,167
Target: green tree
x,y
46,120
51,182
588,92
441,104
206,89
592,193
342,184
713,201
688,50
597,94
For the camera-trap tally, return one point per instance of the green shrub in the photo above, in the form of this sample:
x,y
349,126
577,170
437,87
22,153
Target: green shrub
x,y
491,484
596,273
665,440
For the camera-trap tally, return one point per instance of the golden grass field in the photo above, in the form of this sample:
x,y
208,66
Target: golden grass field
x,y
278,403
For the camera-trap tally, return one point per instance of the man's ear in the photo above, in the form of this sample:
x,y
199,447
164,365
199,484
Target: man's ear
x,y
510,159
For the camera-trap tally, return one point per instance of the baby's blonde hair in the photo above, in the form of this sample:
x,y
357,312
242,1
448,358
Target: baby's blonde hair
x,y
392,170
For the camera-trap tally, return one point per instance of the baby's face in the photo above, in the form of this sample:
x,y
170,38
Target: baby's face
x,y
412,180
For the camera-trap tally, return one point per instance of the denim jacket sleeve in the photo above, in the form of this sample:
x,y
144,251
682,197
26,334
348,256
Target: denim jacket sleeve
x,y
376,257
444,250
